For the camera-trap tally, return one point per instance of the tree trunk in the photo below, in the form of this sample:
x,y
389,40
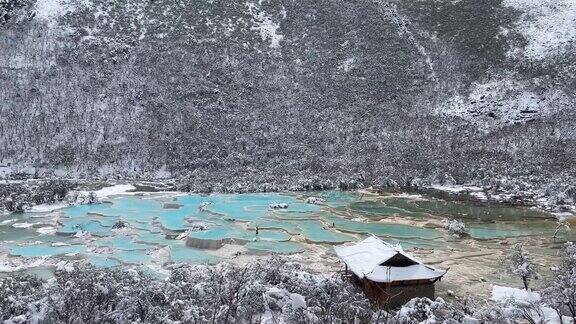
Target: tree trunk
x,y
525,281
560,316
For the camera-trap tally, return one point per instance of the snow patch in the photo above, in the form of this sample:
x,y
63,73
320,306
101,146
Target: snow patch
x,y
456,188
278,206
548,25
51,9
8,221
47,230
60,244
120,189
408,196
298,301
550,316
46,208
83,235
265,25
479,195
24,225
347,65
564,215
163,173
501,293
504,101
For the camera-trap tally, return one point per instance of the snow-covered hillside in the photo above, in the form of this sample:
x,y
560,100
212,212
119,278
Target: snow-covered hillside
x,y
548,26
236,92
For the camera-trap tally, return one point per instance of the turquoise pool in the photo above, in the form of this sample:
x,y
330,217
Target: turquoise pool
x,y
174,228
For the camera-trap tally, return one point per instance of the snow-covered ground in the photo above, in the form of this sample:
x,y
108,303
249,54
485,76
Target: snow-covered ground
x,y
547,315
49,10
504,101
46,208
456,188
104,193
24,225
501,293
265,25
119,189
548,25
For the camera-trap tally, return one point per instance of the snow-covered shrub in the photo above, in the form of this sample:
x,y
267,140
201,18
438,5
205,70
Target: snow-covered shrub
x,y
194,227
16,197
424,310
9,7
418,310
290,306
90,198
72,197
560,292
81,198
442,179
90,295
278,206
349,184
17,294
200,226
220,293
561,224
277,290
119,224
519,263
268,291
49,192
315,200
505,312
204,205
272,291
328,298
16,203
455,227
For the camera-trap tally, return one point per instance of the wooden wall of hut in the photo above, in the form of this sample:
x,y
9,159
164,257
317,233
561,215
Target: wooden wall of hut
x,y
396,294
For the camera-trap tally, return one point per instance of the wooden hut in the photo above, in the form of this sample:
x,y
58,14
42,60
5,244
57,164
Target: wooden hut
x,y
389,276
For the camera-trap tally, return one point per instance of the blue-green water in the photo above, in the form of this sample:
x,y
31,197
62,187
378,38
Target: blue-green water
x,y
40,250
158,227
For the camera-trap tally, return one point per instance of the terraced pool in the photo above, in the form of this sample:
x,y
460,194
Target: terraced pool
x,y
168,228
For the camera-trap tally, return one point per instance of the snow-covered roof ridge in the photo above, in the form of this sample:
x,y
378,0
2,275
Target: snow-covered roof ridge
x,y
366,257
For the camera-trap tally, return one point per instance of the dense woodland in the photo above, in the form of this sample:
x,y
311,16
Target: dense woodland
x,y
269,291
226,93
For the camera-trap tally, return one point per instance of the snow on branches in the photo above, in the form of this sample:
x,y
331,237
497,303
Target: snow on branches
x,y
560,292
455,227
520,264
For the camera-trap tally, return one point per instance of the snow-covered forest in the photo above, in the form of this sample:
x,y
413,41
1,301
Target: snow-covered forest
x,y
225,93
272,291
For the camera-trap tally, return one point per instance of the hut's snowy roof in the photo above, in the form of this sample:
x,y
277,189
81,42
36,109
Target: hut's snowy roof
x,y
367,257
413,272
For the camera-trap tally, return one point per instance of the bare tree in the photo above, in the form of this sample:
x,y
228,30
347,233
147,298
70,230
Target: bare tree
x,y
519,263
561,224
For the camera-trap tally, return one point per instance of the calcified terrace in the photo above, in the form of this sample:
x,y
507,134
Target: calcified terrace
x,y
158,230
